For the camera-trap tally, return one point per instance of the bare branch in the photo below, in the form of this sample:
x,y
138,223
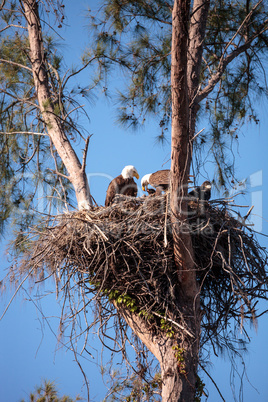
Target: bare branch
x,y
22,132
224,61
18,288
216,386
11,26
199,132
78,71
85,154
2,5
15,64
222,67
59,174
175,323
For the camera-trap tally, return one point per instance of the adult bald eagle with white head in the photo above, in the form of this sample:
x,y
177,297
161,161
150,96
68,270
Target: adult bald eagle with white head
x,y
123,184
159,180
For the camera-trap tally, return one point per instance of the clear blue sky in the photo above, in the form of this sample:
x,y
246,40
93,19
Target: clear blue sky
x,y
29,351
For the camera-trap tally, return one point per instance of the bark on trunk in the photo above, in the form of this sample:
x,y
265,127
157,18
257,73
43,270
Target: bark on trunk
x,y
180,147
67,154
178,382
197,32
181,155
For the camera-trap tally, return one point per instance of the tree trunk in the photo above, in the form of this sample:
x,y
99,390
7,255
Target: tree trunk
x,y
178,356
178,382
197,32
180,168
54,128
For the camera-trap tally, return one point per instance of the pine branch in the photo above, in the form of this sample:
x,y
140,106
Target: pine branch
x,y
22,132
15,64
11,26
59,174
224,61
85,154
223,64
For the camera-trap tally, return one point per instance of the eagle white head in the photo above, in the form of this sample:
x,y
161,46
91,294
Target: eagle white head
x,y
145,181
129,172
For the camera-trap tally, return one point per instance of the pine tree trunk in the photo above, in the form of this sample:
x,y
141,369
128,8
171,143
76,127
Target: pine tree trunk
x,y
197,31
178,377
181,153
54,128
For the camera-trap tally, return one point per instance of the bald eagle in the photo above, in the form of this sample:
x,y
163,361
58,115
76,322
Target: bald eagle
x,y
159,180
202,192
122,184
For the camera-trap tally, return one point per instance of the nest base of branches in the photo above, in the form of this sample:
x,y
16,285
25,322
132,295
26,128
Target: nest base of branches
x,y
124,253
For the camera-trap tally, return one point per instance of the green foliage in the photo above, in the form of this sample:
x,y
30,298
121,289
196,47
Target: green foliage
x,y
124,299
180,358
167,327
136,35
47,392
146,314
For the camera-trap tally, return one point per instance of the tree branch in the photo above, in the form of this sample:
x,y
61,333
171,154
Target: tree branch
x,y
53,125
16,64
2,5
224,61
216,386
241,26
59,174
174,323
22,132
85,154
11,26
222,67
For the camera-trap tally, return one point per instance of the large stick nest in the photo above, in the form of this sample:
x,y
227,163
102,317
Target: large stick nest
x,y
125,253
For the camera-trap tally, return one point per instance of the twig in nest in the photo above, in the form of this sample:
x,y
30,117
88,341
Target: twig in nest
x,y
174,323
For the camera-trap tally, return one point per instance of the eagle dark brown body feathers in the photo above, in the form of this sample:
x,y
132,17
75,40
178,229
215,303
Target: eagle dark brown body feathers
x,y
202,192
119,185
160,179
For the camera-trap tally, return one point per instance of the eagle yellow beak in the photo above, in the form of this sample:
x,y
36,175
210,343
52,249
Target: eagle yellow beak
x,y
136,174
143,188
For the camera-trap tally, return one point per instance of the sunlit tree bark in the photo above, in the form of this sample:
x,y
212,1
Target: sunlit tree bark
x,y
54,128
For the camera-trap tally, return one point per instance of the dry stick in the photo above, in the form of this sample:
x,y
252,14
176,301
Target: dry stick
x,y
199,132
23,132
18,288
85,153
81,369
217,388
248,213
99,230
165,225
175,323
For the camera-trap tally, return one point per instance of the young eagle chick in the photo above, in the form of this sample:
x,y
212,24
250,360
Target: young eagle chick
x,y
202,192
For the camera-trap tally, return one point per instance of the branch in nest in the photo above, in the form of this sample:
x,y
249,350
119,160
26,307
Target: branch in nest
x,y
117,253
